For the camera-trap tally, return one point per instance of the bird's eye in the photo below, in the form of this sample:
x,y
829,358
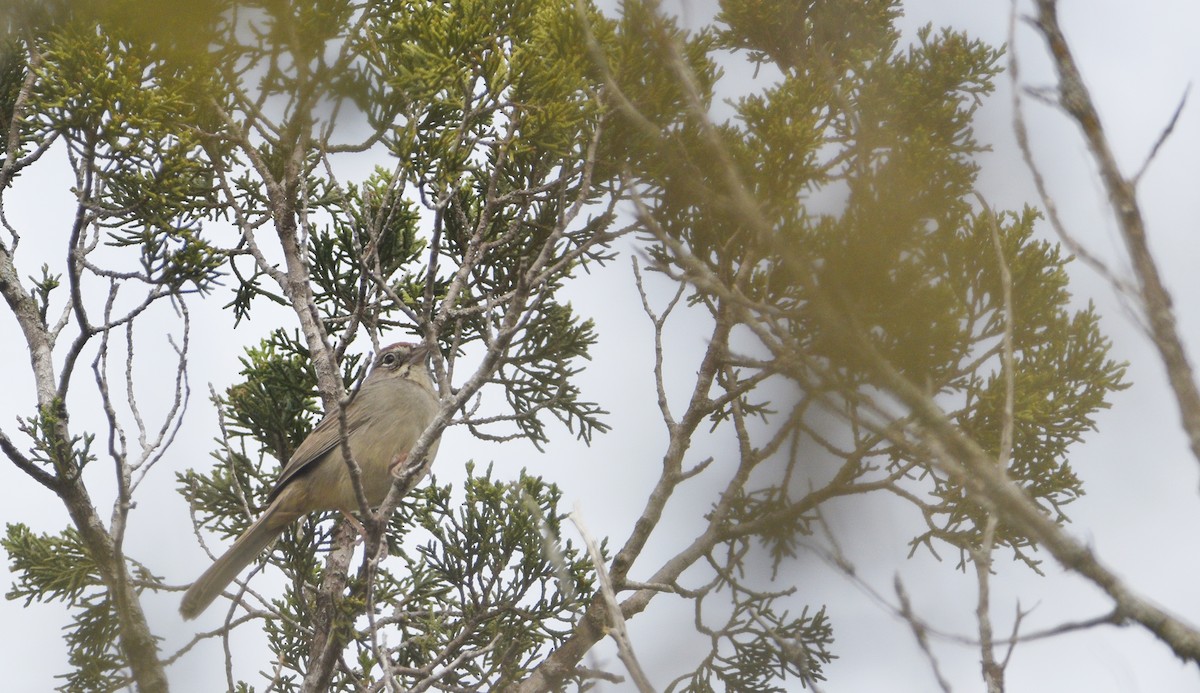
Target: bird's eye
x,y
389,359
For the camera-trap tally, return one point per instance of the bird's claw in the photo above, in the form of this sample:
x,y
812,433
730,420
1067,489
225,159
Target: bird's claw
x,y
396,468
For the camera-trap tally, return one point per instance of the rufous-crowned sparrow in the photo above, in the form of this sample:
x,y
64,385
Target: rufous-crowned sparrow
x,y
384,419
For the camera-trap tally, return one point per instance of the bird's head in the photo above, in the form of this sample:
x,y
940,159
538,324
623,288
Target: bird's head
x,y
403,360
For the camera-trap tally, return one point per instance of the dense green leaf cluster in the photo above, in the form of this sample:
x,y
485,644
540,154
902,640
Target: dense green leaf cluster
x,y
376,224
129,116
134,123
497,114
12,78
483,577
488,110
492,577
265,417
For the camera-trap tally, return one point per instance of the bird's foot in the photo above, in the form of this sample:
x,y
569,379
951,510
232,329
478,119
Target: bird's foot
x,y
397,467
358,526
364,536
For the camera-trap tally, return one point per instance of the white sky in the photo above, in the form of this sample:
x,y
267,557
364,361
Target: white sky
x,y
1139,514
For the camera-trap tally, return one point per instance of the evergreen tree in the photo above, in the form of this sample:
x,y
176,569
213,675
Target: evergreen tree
x,y
828,231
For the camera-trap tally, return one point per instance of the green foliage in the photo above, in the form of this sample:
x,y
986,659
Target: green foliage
x,y
459,67
538,376
881,135
66,456
488,108
266,416
59,568
12,77
758,650
1062,373
482,572
487,577
42,288
808,35
759,645
221,497
476,575
50,568
490,553
376,230
652,125
842,185
495,108
130,120
276,402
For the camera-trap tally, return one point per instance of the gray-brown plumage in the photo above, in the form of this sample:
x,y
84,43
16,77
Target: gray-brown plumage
x,y
384,419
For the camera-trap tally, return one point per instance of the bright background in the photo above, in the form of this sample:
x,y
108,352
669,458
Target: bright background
x,y
1141,507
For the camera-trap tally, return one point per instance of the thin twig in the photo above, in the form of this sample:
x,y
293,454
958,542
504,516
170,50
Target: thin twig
x,y
616,619
1076,100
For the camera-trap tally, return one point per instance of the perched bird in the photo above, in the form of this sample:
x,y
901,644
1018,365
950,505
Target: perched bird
x,y
384,419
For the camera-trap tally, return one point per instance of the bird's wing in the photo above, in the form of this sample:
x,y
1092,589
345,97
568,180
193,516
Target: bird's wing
x,y
324,437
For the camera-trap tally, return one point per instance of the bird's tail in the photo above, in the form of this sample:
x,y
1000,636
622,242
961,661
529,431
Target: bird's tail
x,y
226,568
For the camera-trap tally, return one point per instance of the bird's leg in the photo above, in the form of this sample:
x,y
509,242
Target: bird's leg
x,y
364,536
396,468
358,526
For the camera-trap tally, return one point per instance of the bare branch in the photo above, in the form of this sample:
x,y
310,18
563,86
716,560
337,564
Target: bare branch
x,y
1162,137
918,630
1075,99
1123,287
617,629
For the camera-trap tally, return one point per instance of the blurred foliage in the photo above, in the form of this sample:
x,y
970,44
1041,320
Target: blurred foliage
x,y
846,181
843,183
132,116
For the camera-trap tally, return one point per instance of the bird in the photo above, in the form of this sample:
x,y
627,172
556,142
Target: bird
x,y
384,419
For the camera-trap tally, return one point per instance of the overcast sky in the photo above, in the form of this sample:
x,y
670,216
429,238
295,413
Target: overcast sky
x,y
1140,512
